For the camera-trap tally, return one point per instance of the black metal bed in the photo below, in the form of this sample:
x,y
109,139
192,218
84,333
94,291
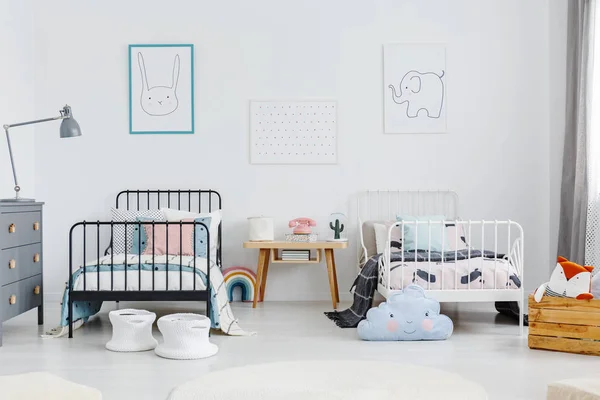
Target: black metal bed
x,y
93,233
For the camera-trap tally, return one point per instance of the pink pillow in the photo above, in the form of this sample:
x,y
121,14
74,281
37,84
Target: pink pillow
x,y
160,239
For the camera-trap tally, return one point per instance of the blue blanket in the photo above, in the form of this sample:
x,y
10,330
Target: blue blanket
x,y
85,309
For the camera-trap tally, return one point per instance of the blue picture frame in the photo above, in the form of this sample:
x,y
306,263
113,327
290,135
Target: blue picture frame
x,y
182,120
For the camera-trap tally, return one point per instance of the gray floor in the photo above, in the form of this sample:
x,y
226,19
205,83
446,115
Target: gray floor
x,y
485,348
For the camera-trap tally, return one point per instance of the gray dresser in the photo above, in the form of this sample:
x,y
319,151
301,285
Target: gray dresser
x,y
21,260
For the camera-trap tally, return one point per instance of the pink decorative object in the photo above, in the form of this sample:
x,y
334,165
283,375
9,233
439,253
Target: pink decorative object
x,y
160,239
302,226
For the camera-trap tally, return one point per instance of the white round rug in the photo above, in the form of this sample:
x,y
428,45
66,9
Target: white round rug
x,y
325,380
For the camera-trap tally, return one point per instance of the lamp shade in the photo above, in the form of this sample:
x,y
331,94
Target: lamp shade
x,y
69,128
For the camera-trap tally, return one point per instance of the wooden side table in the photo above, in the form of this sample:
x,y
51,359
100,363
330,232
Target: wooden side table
x,y
268,253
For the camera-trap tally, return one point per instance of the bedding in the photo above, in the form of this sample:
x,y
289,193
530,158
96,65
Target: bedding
x,y
365,283
221,314
180,238
381,236
120,234
476,272
418,234
174,215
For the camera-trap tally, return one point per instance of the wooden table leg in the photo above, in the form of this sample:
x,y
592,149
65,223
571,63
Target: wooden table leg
x,y
259,275
331,273
335,280
265,273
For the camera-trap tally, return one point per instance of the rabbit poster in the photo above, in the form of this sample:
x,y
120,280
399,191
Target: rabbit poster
x,y
161,89
414,88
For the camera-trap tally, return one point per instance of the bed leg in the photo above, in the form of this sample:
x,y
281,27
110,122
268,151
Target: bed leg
x,y
70,317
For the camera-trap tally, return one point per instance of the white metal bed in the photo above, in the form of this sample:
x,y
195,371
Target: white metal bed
x,y
504,237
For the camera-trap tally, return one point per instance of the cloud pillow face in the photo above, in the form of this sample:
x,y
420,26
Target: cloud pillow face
x,y
408,315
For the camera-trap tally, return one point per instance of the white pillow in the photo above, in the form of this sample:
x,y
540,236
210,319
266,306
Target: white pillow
x,y
118,240
215,220
381,236
456,237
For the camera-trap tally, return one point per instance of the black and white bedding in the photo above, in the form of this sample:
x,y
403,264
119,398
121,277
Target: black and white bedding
x,y
473,264
451,270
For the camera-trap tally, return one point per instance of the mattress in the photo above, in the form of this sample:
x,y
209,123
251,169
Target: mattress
x,y
470,273
134,278
143,270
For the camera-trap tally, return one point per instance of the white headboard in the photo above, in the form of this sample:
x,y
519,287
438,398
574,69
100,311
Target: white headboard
x,y
385,204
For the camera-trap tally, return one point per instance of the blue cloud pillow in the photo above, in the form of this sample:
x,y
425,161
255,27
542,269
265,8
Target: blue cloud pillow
x,y
407,315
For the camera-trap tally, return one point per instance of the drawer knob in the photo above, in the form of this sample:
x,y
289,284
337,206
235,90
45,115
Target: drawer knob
x,y
36,257
12,228
12,300
12,264
36,226
36,290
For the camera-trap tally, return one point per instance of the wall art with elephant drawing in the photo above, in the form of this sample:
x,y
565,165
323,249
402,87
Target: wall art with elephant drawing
x,y
161,88
415,88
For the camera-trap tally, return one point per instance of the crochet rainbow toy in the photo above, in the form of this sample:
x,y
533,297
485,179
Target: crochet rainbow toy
x,y
243,278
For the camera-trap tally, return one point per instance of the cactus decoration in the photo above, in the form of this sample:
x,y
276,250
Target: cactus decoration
x,y
337,229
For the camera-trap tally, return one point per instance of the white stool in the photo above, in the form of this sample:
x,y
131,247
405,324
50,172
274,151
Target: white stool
x,y
132,330
185,337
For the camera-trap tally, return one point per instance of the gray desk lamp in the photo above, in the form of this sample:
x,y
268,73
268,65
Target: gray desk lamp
x,y
68,128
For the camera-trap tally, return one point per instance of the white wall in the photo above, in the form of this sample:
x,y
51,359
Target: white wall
x,y
495,153
17,94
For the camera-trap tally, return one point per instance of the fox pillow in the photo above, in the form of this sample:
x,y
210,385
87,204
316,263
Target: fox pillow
x,y
567,280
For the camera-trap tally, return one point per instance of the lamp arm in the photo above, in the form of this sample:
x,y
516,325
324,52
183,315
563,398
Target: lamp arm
x,y
12,162
64,113
37,121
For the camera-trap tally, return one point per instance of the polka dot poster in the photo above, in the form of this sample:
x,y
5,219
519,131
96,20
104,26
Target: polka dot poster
x,y
293,132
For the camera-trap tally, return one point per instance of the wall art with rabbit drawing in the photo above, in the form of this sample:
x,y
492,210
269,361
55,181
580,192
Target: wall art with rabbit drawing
x,y
161,88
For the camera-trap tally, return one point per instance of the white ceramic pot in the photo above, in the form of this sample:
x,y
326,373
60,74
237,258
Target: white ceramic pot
x,y
260,229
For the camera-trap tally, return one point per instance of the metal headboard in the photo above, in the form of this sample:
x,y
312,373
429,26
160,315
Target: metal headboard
x,y
385,204
193,200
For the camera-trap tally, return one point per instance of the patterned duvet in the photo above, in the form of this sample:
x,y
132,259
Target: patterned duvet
x,y
451,270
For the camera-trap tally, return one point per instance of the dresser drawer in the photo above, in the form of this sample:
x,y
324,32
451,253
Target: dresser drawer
x,y
20,262
20,228
21,296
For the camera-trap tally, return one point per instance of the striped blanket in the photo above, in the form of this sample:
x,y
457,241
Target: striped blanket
x,y
365,283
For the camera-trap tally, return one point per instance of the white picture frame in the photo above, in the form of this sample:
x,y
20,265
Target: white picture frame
x,y
161,89
293,132
414,86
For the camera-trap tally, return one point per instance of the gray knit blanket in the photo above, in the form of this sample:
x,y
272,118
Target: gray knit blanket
x,y
365,283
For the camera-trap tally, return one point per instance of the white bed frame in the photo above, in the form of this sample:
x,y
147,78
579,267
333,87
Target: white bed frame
x,y
384,205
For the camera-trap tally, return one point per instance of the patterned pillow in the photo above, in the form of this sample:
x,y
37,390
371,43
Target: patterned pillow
x,y
119,232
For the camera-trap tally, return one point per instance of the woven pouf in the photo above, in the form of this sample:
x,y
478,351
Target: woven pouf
x,y
132,330
185,337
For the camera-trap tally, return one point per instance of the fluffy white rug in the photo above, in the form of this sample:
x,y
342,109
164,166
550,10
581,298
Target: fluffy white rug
x,y
575,389
42,385
326,380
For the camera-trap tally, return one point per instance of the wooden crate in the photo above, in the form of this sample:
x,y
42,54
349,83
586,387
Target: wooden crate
x,y
568,325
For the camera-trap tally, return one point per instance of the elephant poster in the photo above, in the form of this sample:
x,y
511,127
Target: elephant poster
x,y
415,88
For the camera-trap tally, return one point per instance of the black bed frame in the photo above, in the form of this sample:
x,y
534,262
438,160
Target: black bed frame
x,y
184,200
